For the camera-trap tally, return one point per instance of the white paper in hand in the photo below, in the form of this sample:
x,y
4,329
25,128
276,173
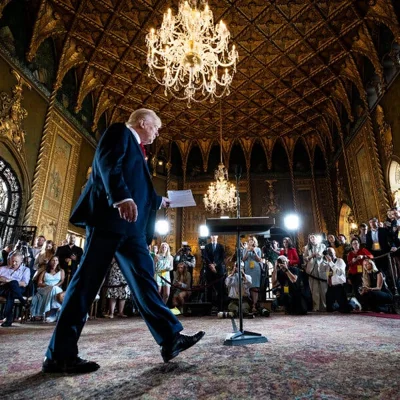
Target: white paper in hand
x,y
181,198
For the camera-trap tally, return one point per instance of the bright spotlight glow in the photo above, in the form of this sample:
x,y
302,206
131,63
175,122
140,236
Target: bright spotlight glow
x,y
292,222
318,238
203,231
162,227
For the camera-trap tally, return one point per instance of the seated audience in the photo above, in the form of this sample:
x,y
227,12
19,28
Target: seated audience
x,y
375,291
287,287
290,252
336,298
39,242
317,273
163,265
48,298
253,267
4,254
43,257
14,278
117,290
232,283
355,269
181,282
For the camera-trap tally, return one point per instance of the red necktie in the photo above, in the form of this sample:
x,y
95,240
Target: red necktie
x,y
143,149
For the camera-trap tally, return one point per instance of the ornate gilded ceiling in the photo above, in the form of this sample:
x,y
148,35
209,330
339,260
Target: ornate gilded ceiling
x,y
302,65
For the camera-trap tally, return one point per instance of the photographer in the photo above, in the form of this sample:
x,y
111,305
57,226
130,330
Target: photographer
x,y
336,299
184,255
232,283
287,287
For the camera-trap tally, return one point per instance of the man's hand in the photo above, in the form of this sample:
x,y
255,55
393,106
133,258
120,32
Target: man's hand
x,y
128,211
165,202
212,268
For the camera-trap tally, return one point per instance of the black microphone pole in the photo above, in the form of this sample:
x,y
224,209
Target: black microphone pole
x,y
238,174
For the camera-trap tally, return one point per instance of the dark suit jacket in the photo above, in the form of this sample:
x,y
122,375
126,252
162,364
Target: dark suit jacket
x,y
384,238
217,257
119,171
64,252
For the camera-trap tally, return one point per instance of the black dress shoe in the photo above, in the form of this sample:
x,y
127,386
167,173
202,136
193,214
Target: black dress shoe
x,y
6,324
180,343
75,366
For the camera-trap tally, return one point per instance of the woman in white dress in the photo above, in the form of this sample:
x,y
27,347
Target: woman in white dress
x,y
163,265
315,268
48,298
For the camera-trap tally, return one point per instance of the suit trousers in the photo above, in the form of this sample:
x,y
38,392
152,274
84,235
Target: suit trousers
x,y
11,290
136,265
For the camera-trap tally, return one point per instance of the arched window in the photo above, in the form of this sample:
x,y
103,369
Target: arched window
x,y
10,201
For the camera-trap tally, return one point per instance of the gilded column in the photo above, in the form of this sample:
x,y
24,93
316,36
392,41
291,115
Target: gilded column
x,y
317,211
332,218
248,188
29,218
346,163
168,183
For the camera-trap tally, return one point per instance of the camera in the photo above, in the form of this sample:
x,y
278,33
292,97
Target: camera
x,y
225,314
325,253
202,242
265,312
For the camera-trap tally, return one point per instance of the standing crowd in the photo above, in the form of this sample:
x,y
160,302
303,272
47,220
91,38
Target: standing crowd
x,y
331,274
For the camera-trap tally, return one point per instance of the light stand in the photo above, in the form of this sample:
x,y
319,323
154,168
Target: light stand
x,y
241,337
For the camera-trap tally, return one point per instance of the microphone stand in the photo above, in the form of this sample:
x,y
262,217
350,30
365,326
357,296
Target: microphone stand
x,y
241,337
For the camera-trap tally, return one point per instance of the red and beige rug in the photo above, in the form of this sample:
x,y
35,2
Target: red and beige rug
x,y
316,356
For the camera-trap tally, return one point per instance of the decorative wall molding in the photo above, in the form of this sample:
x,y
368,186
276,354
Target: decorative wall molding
x,y
56,175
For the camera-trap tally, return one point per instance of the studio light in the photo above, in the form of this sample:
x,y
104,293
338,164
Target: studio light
x,y
162,227
203,231
292,222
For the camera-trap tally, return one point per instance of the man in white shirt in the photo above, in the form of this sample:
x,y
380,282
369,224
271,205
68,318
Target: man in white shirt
x,y
13,281
336,299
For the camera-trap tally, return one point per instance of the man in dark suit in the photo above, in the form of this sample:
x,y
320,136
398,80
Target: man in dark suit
x,y
215,272
118,207
69,256
379,241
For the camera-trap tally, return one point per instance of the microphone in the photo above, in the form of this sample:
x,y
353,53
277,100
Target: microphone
x,y
238,171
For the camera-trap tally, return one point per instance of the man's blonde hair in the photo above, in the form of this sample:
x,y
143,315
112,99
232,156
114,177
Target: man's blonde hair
x,y
143,114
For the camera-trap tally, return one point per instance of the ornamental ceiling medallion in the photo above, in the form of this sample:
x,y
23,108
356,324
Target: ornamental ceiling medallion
x,y
300,65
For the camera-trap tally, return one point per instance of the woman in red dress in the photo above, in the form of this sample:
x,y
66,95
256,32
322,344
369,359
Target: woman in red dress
x,y
290,252
355,264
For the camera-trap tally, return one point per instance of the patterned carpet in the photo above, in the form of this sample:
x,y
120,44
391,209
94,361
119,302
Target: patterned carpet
x,y
317,356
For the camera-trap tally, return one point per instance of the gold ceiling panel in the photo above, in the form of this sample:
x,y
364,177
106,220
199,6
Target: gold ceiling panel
x,y
298,63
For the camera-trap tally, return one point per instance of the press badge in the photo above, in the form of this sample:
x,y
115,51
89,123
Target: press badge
x,y
252,263
359,269
286,289
375,246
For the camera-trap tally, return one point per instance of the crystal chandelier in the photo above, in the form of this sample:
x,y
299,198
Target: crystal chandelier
x,y
189,55
221,195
